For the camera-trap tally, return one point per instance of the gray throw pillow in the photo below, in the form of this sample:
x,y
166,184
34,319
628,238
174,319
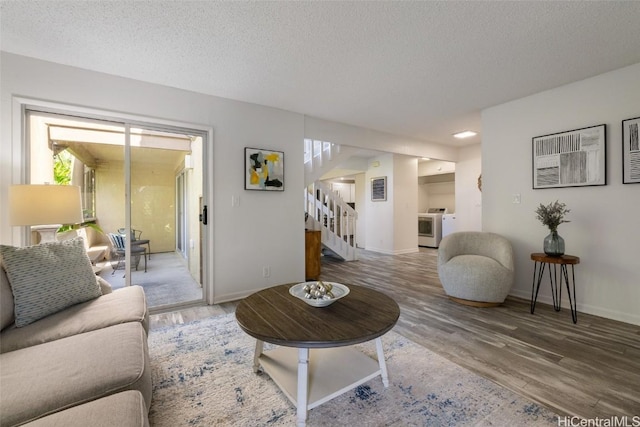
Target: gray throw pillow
x,y
48,278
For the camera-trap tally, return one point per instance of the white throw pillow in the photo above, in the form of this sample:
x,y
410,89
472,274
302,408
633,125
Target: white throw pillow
x,y
48,278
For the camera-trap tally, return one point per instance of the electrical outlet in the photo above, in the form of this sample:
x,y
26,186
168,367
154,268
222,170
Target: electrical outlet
x,y
266,271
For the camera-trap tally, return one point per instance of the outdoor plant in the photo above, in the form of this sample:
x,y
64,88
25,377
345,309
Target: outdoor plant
x,y
552,215
62,168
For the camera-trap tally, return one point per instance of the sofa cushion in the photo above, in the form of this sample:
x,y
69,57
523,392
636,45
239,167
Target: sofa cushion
x,y
6,301
122,305
47,378
125,409
47,278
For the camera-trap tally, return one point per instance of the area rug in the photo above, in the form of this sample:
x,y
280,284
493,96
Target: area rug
x,y
202,376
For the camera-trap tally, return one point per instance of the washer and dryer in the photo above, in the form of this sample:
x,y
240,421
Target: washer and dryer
x,y
430,227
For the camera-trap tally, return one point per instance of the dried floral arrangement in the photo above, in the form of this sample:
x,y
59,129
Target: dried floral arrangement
x,y
552,215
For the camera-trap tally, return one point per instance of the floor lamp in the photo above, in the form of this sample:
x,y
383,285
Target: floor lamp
x,y
45,207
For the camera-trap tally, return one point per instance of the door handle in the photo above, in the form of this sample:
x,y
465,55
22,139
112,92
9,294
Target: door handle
x,y
203,215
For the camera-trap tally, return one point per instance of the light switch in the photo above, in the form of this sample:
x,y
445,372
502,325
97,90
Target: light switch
x,y
235,201
516,199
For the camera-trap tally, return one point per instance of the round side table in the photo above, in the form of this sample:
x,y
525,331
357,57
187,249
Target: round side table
x,y
543,261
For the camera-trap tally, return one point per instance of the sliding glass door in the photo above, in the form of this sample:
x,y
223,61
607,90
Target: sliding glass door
x,y
133,208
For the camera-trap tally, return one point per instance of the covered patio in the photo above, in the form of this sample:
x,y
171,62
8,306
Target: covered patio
x,y
166,282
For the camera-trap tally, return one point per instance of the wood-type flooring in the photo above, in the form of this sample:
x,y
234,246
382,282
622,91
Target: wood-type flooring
x,y
590,369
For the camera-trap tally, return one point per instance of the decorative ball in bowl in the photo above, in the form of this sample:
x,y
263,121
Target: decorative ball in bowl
x,y
319,293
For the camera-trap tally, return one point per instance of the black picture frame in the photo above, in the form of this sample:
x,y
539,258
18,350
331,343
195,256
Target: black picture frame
x,y
575,158
263,169
379,189
631,151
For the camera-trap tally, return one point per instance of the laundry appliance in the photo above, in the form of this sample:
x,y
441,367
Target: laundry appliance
x,y
430,227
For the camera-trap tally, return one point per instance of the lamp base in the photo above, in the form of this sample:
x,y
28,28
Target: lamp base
x,y
47,232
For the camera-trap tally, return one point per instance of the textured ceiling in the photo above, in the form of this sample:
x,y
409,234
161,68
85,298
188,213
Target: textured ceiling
x,y
419,69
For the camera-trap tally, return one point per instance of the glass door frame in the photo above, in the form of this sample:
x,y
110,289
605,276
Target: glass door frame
x,y
20,139
182,214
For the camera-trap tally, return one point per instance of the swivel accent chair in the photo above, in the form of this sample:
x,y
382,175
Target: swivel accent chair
x,y
476,268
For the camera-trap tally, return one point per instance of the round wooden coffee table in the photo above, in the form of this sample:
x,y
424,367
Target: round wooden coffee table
x,y
274,316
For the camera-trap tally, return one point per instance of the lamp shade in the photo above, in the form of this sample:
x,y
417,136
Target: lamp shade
x,y
44,204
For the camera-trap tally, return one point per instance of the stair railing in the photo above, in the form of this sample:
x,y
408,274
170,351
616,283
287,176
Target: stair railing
x,y
334,217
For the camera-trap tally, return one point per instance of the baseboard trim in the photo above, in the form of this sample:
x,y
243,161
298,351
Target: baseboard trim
x,y
633,319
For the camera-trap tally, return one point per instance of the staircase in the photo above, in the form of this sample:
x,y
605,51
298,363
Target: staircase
x,y
326,210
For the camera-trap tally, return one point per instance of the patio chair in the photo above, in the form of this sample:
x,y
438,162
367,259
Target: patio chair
x,y
136,240
118,252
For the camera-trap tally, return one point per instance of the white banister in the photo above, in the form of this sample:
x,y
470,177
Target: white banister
x,y
334,217
326,210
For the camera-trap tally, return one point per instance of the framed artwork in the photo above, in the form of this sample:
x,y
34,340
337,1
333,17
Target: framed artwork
x,y
576,158
379,189
630,151
264,169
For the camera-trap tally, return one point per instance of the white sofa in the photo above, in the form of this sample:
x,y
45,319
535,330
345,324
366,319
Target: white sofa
x,y
87,364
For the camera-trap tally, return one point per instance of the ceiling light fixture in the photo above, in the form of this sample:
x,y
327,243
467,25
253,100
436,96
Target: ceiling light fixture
x,y
464,134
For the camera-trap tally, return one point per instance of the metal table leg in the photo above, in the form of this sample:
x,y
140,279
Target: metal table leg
x,y
537,271
556,289
555,282
572,301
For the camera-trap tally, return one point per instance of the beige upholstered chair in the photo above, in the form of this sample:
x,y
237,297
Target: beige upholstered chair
x,y
476,268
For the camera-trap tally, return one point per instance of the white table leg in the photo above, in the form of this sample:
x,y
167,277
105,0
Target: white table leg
x,y
382,362
256,356
303,383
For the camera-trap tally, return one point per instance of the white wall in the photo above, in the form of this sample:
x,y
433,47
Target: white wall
x,y
405,204
391,225
435,167
379,226
423,197
468,196
361,208
436,194
603,230
246,237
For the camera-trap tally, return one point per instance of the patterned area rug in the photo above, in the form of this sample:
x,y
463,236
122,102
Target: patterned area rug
x,y
202,376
